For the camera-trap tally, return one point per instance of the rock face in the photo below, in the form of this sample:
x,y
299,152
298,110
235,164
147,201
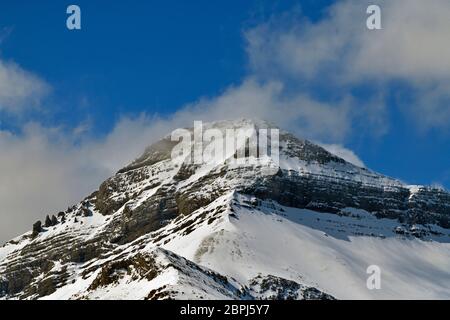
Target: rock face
x,y
275,288
114,237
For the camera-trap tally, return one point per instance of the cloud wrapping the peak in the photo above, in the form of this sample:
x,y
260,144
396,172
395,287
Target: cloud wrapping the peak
x,y
44,170
300,113
344,153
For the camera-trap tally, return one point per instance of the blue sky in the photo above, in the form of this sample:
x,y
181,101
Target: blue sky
x,y
132,56
151,56
136,59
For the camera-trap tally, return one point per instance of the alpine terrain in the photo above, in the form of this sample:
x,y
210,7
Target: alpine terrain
x,y
163,228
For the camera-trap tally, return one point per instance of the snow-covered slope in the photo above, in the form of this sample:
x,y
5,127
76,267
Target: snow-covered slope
x,y
166,229
320,250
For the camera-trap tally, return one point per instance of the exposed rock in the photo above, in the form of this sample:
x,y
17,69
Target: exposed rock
x,y
48,222
152,193
275,288
37,228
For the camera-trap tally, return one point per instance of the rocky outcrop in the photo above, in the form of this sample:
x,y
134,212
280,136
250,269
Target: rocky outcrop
x,y
275,288
426,206
152,192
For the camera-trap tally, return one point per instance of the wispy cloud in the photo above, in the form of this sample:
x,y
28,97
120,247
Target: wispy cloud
x,y
4,33
43,170
339,53
344,153
20,89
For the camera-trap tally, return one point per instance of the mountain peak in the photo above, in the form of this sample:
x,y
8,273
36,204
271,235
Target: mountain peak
x,y
166,229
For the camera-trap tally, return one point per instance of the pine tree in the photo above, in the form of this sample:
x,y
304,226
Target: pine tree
x,y
37,227
48,222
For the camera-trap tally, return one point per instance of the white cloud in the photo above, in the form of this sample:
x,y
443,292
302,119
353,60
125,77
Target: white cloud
x,y
344,153
412,44
299,112
44,170
339,53
19,89
430,106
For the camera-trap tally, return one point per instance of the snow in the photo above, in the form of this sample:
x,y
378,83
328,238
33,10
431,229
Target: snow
x,y
242,237
322,250
338,171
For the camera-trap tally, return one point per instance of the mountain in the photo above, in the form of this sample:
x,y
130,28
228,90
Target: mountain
x,y
165,229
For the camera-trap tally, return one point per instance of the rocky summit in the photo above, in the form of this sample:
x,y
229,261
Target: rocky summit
x,y
165,229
